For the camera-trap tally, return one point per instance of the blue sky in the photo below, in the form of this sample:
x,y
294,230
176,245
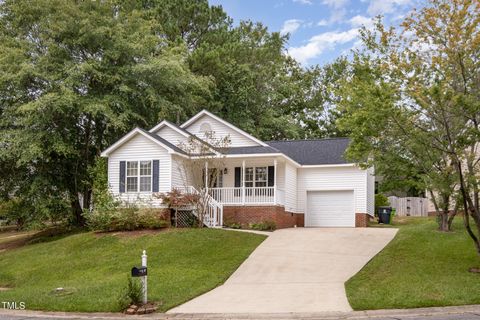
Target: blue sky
x,y
320,30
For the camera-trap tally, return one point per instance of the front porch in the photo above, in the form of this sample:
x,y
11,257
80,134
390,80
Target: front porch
x,y
248,195
253,181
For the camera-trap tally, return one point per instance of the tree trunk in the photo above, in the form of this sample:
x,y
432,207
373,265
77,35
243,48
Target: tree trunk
x,y
87,199
452,216
77,211
444,226
442,215
466,200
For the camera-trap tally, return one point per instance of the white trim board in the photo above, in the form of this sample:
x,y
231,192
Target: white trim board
x,y
171,126
130,135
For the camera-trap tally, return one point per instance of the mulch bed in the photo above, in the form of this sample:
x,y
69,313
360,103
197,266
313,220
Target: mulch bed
x,y
132,234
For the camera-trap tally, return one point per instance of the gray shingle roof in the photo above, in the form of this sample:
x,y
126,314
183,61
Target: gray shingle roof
x,y
314,152
165,142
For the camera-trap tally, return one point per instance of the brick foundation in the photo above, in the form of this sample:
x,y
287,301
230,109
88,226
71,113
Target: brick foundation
x,y
245,215
361,220
300,220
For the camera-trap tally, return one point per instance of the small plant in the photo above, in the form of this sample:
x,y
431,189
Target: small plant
x,y
234,225
131,293
228,223
381,201
266,225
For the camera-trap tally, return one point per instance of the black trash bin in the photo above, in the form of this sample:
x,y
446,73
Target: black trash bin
x,y
384,214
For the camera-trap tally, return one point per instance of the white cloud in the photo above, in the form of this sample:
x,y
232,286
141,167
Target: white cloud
x,y
377,7
290,26
359,21
336,4
303,1
321,42
322,23
338,9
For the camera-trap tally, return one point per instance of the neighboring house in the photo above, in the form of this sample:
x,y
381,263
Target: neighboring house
x,y
293,183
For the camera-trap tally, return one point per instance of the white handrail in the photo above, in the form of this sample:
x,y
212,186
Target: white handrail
x,y
248,195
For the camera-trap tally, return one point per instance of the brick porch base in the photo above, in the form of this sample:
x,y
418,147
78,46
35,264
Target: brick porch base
x,y
361,220
245,215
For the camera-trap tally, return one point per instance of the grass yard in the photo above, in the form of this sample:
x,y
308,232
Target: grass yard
x,y
421,267
183,263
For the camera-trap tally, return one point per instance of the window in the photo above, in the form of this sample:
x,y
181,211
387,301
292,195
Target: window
x,y
256,177
139,176
249,177
260,177
132,176
145,176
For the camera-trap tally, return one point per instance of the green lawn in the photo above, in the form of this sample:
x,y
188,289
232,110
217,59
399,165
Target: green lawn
x,y
421,267
183,263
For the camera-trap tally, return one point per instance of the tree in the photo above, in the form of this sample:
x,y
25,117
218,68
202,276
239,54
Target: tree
x,y
74,76
424,84
203,169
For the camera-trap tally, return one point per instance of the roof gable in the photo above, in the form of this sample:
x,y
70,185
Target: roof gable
x,y
205,120
171,148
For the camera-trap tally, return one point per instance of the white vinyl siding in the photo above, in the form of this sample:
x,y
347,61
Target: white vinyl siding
x,y
330,209
139,148
171,135
371,191
180,179
291,188
332,179
221,131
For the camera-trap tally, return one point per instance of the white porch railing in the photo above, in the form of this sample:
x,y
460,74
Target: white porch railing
x,y
213,209
251,195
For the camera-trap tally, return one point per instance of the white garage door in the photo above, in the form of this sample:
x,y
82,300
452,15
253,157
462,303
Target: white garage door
x,y
330,209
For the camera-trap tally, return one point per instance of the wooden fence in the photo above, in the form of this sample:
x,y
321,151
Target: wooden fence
x,y
409,206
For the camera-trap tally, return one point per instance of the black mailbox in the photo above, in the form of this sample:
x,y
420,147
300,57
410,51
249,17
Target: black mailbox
x,y
139,271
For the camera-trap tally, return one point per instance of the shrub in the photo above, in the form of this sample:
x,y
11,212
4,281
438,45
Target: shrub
x,y
266,225
131,294
381,201
231,224
126,219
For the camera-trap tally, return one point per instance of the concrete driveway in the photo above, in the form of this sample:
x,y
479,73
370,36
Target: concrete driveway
x,y
295,270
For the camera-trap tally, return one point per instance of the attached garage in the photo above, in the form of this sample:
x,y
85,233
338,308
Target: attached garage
x,y
335,208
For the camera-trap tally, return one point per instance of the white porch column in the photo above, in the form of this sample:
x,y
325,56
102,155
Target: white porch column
x,y
243,182
206,175
275,181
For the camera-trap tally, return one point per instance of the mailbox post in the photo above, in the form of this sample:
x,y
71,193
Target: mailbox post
x,y
144,278
142,273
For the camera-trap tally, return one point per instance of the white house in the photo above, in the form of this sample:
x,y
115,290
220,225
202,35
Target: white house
x,y
296,182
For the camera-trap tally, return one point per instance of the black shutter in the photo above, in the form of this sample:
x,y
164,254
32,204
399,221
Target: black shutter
x,y
155,175
238,177
122,177
271,176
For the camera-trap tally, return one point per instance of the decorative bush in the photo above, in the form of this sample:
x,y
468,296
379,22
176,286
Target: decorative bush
x,y
381,201
233,225
266,225
131,294
127,219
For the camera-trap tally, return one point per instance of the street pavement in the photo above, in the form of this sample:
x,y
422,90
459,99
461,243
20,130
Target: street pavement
x,y
437,313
